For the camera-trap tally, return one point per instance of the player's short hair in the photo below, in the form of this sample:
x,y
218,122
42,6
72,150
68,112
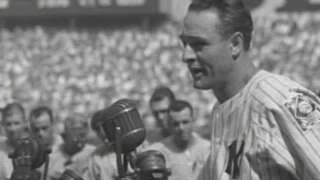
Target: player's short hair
x,y
179,105
161,93
233,14
39,111
94,120
76,120
13,108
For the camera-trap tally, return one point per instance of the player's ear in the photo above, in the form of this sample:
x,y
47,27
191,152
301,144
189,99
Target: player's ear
x,y
236,45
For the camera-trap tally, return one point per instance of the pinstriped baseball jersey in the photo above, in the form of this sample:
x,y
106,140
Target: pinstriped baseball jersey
x,y
265,132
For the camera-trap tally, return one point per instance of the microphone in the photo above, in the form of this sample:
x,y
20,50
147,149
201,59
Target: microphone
x,y
28,155
124,128
123,115
151,165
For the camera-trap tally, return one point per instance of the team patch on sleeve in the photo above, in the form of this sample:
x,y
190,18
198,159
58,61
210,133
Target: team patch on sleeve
x,y
305,110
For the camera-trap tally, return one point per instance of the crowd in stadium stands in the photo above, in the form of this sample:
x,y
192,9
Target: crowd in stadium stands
x,y
84,70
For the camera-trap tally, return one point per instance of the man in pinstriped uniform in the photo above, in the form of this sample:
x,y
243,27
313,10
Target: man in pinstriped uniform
x,y
262,129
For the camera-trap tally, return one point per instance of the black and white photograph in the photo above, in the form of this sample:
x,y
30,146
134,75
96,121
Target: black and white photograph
x,y
159,89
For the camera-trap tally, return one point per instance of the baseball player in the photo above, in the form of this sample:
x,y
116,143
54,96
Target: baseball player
x,y
262,130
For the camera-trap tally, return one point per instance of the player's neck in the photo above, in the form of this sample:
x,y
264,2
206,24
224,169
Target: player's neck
x,y
235,82
185,144
165,132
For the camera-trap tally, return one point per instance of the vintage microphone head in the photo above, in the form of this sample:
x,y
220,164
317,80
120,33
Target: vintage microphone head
x,y
125,115
151,160
151,165
32,147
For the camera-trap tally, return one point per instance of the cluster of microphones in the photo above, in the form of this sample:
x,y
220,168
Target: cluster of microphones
x,y
125,131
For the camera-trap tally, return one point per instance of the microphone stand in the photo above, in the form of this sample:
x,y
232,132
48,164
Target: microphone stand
x,y
46,166
122,159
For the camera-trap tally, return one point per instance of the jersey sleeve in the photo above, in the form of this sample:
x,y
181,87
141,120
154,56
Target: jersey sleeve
x,y
298,118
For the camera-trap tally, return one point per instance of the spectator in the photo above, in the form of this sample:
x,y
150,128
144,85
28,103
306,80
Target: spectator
x,y
185,152
76,70
15,125
99,137
42,125
74,153
160,102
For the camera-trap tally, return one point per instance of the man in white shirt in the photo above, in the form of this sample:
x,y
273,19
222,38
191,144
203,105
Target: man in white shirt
x,y
15,126
42,125
185,151
74,153
159,104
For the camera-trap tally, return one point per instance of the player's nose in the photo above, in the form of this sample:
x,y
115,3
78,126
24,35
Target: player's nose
x,y
188,55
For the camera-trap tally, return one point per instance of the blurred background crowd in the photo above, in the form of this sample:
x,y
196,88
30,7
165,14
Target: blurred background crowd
x,y
82,69
76,66
85,69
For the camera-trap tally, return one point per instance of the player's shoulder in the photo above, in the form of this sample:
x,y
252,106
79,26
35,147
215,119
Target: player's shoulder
x,y
277,94
58,139
157,145
162,145
104,155
201,142
271,90
58,154
103,150
88,148
154,135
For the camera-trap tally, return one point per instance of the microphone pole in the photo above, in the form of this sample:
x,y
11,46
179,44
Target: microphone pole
x,y
119,152
122,159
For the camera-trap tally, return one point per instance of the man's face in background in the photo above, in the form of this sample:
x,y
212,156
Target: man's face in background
x,y
75,139
160,111
182,125
42,127
14,126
